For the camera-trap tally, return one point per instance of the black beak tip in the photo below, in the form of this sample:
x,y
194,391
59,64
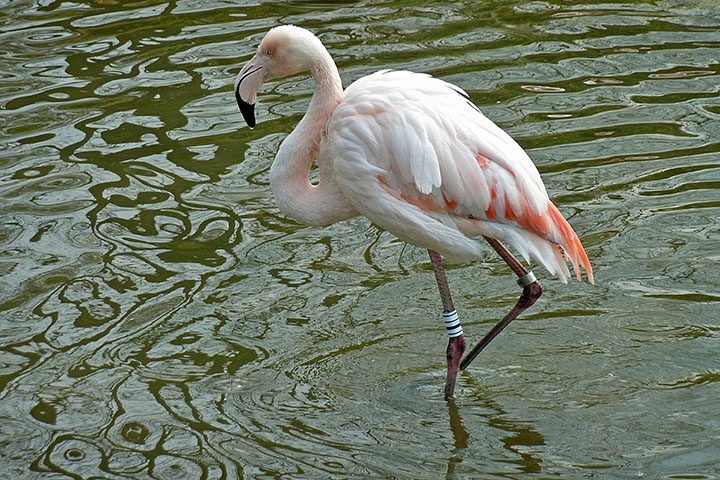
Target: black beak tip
x,y
247,110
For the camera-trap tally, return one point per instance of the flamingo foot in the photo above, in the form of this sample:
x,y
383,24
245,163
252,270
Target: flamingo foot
x,y
455,351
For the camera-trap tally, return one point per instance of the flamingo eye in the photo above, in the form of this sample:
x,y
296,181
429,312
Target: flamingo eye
x,y
270,51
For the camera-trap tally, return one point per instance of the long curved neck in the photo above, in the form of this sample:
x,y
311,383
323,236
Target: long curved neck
x,y
322,203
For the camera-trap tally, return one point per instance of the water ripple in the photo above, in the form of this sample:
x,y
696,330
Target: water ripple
x,y
161,319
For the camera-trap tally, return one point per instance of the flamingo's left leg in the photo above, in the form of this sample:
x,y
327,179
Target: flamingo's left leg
x,y
456,343
531,292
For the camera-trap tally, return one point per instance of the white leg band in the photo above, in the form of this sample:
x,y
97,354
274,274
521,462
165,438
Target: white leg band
x,y
527,279
452,323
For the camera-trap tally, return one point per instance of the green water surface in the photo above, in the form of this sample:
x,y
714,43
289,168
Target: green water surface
x,y
160,319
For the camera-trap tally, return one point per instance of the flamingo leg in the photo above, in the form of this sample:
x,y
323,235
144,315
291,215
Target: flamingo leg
x,y
531,292
456,342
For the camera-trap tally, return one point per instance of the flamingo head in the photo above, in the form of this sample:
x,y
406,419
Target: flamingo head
x,y
284,51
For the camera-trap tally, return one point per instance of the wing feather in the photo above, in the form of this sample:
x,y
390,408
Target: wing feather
x,y
415,156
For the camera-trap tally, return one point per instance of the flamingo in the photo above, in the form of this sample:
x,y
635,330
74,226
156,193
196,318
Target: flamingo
x,y
416,157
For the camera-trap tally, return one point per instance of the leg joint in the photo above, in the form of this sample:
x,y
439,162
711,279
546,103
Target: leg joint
x,y
530,294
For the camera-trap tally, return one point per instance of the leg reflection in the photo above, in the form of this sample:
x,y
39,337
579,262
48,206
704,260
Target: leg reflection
x,y
461,436
511,440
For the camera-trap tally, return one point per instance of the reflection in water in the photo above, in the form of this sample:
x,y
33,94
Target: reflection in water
x,y
522,440
460,435
160,319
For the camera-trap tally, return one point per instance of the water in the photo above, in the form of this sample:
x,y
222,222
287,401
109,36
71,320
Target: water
x,y
160,318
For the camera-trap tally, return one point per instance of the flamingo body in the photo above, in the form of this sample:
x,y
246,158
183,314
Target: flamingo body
x,y
414,155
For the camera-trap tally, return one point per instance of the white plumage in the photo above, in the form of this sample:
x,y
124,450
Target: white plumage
x,y
416,157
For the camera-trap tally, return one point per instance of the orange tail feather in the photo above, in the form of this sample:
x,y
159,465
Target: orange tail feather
x,y
571,244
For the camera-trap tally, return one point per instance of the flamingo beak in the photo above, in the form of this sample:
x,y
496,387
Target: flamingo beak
x,y
247,84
